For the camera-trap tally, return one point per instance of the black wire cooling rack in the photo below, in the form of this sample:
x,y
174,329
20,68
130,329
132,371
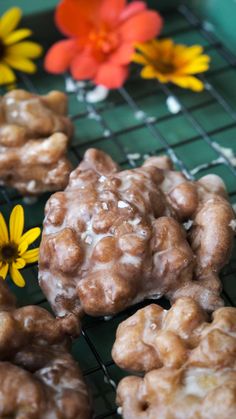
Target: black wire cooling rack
x,y
93,348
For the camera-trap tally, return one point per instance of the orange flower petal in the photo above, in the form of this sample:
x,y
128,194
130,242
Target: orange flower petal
x,y
75,17
111,76
84,66
60,55
110,10
132,9
122,55
141,27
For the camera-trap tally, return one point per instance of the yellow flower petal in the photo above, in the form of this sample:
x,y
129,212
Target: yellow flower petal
x,y
162,77
4,270
9,21
194,69
165,48
6,74
16,224
21,63
17,36
19,263
23,246
197,66
148,72
148,50
31,256
189,53
4,237
16,276
139,59
188,82
25,49
30,236
169,62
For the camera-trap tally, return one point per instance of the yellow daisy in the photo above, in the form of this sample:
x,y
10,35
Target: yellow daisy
x,y
14,253
15,54
175,63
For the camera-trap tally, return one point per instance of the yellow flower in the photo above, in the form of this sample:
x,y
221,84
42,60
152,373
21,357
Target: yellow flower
x,y
13,246
15,54
169,62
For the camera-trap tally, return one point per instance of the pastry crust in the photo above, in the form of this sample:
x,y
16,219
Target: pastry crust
x,y
154,337
189,359
186,393
113,238
39,378
34,136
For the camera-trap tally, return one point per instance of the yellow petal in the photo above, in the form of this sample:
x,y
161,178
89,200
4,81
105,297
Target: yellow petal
x,y
17,36
19,263
197,66
139,59
163,78
23,246
31,256
16,276
4,270
194,51
188,82
9,21
4,237
194,69
188,53
20,63
165,48
6,74
148,49
148,72
16,224
30,236
25,49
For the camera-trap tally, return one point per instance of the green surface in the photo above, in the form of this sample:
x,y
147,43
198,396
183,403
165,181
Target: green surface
x,y
219,17
132,136
28,7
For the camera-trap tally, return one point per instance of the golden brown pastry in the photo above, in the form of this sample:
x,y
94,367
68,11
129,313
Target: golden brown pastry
x,y
113,238
154,337
205,207
190,360
186,393
39,378
34,136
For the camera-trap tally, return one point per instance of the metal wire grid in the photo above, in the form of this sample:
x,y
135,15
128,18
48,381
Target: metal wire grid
x,y
149,123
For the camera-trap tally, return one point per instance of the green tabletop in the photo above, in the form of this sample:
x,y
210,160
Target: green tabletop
x,y
28,6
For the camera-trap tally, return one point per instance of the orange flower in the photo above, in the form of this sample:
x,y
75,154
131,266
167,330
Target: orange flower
x,y
102,36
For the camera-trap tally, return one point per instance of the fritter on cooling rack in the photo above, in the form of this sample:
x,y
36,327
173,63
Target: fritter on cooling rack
x,y
34,136
190,359
179,393
154,337
113,238
39,378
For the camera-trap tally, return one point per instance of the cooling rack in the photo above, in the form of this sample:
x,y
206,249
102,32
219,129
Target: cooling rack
x,y
130,124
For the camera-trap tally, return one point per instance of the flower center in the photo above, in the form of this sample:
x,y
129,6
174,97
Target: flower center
x,y
164,67
103,40
2,49
8,253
